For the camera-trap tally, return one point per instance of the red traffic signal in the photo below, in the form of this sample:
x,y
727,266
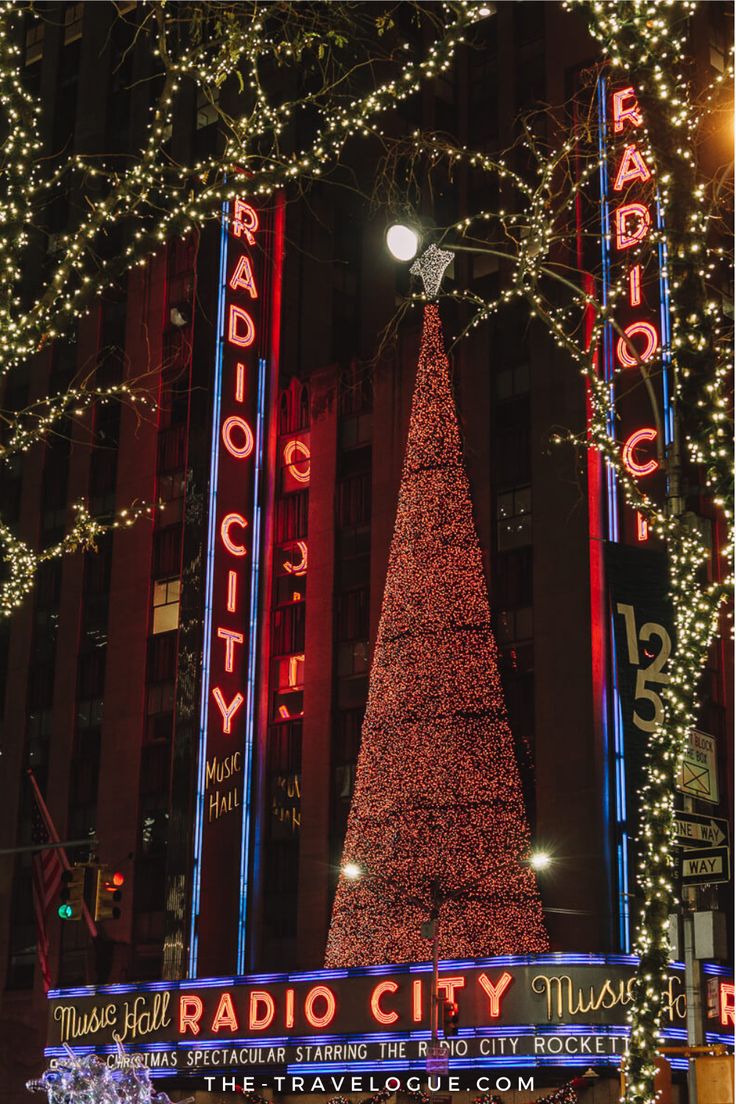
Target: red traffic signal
x,y
118,879
450,1017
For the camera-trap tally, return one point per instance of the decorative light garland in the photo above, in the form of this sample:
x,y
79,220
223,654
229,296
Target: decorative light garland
x,y
437,818
152,199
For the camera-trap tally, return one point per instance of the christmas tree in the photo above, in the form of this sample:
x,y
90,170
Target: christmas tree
x,y
437,816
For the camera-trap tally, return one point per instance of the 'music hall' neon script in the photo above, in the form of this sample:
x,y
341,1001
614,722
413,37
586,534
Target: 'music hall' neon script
x,y
233,549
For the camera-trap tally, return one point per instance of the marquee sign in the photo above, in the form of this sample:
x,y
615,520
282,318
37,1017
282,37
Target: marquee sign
x,y
560,1009
249,274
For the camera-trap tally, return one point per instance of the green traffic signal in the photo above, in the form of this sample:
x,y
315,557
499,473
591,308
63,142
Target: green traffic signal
x,y
65,911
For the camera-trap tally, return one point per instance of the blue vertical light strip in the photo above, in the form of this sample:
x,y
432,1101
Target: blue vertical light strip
x,y
250,692
209,582
666,331
611,481
622,841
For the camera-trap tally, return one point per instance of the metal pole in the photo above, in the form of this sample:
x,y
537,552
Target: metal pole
x,y
86,842
693,991
435,984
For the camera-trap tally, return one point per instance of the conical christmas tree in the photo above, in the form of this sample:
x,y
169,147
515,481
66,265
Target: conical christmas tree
x,y
437,813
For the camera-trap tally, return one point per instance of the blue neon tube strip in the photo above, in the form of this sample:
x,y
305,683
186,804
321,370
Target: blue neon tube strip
x,y
250,693
209,582
622,841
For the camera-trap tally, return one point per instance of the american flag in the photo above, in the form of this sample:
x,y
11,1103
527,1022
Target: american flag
x,y
46,882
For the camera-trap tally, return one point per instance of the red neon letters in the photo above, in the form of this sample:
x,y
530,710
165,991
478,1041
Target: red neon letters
x,y
633,167
626,235
377,1012
651,341
320,993
239,451
495,991
727,1009
624,112
628,456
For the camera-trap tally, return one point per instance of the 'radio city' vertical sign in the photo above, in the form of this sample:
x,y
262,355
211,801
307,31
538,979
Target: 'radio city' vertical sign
x,y
637,347
636,363
248,291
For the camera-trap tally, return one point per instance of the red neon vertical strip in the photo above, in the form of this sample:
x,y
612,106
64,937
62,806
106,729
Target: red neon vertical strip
x,y
262,704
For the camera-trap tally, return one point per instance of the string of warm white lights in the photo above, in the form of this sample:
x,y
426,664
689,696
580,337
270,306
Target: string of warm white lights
x,y
150,198
437,816
536,233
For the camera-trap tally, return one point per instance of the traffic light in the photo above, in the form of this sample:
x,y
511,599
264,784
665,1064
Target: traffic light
x,y
109,893
71,894
450,1017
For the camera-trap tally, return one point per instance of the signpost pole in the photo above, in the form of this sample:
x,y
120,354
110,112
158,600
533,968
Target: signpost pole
x,y
694,996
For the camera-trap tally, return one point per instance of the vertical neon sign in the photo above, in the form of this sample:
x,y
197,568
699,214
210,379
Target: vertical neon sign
x,y
228,695
630,210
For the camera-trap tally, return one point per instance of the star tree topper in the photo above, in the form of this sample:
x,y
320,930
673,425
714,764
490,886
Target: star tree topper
x,y
431,267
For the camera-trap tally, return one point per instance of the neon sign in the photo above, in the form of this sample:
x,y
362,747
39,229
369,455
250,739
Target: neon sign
x,y
534,1010
249,239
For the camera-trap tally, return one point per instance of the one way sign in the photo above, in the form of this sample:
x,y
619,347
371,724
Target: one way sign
x,y
695,830
705,866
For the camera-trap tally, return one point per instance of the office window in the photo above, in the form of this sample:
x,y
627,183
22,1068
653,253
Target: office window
x,y
73,19
34,42
514,518
513,381
166,598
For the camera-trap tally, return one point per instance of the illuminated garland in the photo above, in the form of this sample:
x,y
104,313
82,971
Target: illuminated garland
x,y
437,797
151,198
648,43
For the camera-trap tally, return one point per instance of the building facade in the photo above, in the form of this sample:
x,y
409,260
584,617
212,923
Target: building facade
x,y
111,666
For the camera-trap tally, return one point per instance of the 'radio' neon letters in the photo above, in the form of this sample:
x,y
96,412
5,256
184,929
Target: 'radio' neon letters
x,y
227,711
623,113
727,1008
315,994
259,1021
495,992
225,526
632,167
631,464
242,277
626,237
635,286
647,330
240,452
225,1014
245,221
240,328
231,638
190,1013
377,1012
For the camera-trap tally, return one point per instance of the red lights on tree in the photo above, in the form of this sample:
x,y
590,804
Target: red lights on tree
x,y
438,796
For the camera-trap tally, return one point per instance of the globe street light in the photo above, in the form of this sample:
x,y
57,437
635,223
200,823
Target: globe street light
x,y
402,241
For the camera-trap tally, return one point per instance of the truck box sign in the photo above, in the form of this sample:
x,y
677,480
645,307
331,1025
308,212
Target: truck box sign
x,y
544,1009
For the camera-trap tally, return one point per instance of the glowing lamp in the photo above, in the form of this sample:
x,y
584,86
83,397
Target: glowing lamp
x,y
118,879
540,860
65,911
402,242
352,871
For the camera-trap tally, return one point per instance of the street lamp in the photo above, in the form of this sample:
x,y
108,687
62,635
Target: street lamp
x,y
402,241
540,860
352,871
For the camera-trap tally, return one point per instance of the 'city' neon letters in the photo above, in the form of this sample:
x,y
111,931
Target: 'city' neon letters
x,y
495,991
231,638
632,465
227,711
377,1012
225,526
